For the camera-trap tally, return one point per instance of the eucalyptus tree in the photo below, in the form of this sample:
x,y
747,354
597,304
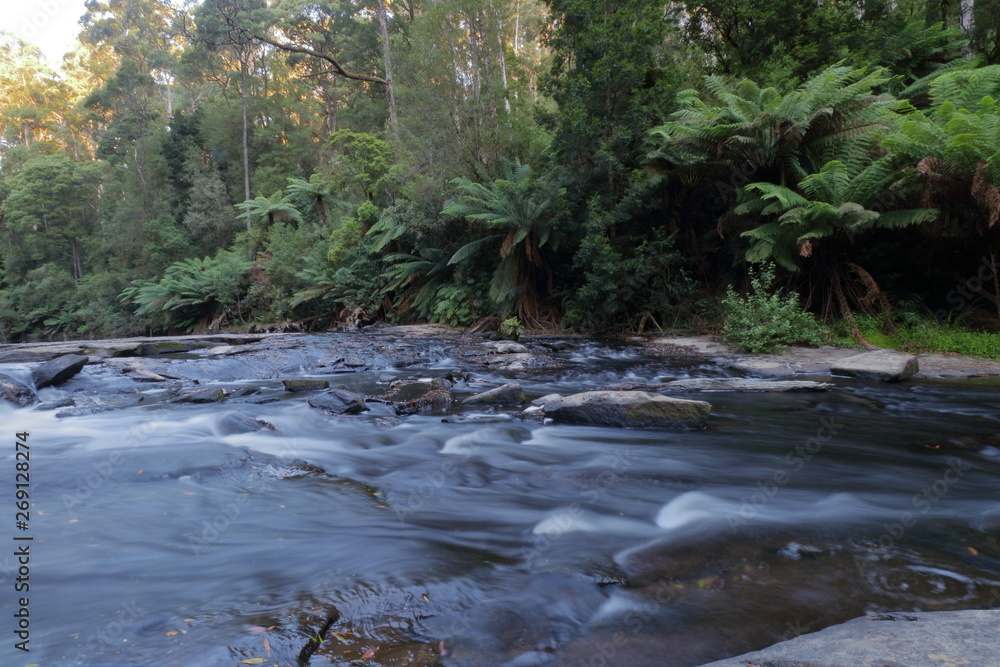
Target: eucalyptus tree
x,y
223,44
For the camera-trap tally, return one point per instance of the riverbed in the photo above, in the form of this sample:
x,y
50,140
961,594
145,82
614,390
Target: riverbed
x,y
166,534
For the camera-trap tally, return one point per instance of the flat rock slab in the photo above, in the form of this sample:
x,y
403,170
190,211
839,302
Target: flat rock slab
x,y
209,395
918,639
511,393
119,347
299,385
56,371
628,409
881,365
744,384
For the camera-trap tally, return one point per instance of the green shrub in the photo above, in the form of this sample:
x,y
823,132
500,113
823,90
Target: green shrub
x,y
767,319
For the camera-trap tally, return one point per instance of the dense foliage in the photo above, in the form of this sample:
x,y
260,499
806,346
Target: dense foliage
x,y
609,165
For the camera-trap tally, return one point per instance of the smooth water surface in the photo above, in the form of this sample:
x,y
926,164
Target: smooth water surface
x,y
161,540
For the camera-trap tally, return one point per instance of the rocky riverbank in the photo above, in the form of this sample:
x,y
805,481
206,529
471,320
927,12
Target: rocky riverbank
x,y
819,360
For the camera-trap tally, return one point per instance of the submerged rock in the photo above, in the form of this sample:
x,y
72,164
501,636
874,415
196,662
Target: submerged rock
x,y
58,370
16,392
744,384
881,365
966,637
339,402
629,409
237,422
511,393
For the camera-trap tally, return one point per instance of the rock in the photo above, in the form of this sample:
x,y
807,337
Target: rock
x,y
58,370
339,402
462,418
237,422
882,365
409,397
170,347
140,375
64,402
638,409
557,345
744,384
509,394
509,348
304,384
917,639
15,392
202,396
93,404
542,400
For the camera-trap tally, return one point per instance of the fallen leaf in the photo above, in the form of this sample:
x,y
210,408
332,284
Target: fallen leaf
x,y
171,633
267,644
257,628
254,661
426,599
369,654
972,551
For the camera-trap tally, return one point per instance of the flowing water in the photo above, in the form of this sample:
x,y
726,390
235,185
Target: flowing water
x,y
162,538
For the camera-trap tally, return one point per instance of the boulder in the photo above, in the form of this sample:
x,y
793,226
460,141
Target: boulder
x,y
58,370
542,400
339,402
881,365
631,409
409,397
744,384
16,392
305,384
511,393
915,639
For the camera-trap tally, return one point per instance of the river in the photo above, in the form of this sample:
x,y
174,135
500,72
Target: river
x,y
161,537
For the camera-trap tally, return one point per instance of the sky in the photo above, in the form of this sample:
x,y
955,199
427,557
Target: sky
x,y
50,24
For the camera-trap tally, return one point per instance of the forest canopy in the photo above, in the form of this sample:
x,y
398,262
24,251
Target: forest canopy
x,y
609,166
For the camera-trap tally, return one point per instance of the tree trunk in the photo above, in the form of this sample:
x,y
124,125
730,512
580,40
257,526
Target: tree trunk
x,y
389,96
246,141
968,24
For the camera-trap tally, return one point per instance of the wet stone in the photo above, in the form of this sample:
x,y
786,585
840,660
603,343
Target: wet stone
x,y
303,384
511,393
58,370
16,392
339,402
210,395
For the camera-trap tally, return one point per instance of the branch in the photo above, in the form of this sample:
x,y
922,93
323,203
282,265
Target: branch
x,y
315,54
